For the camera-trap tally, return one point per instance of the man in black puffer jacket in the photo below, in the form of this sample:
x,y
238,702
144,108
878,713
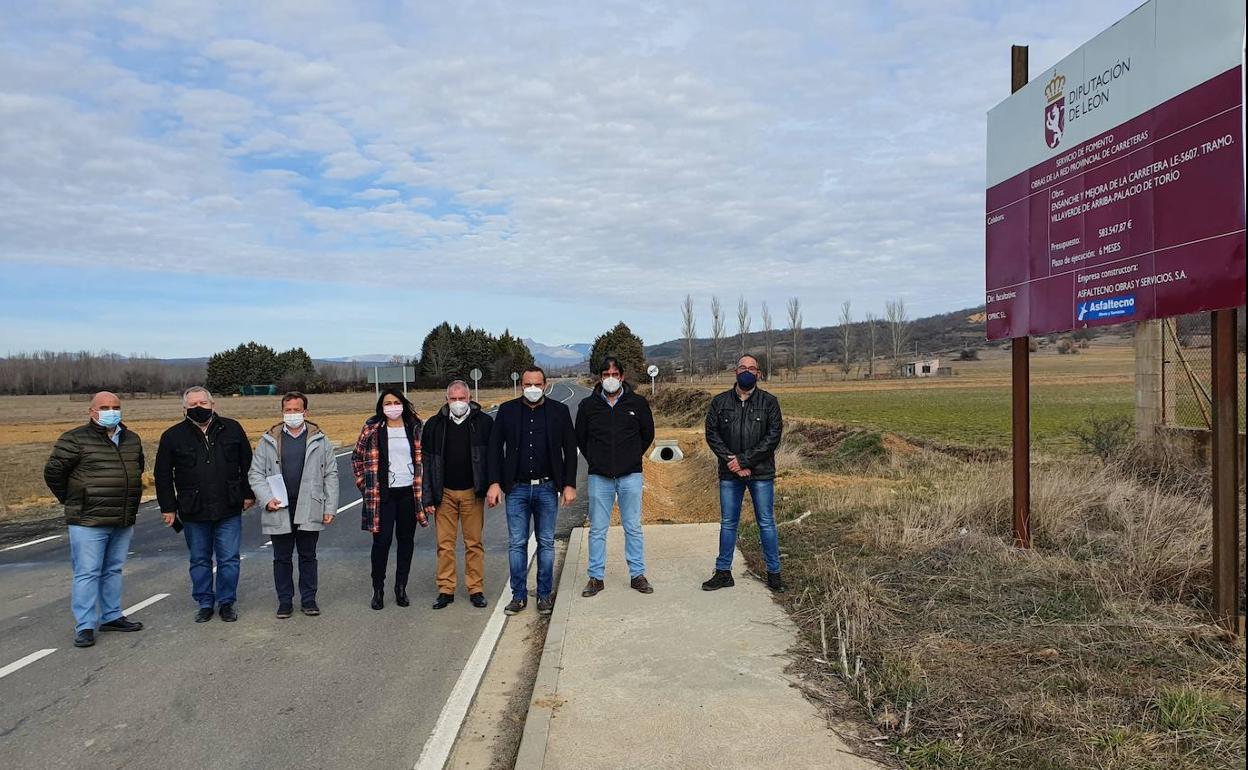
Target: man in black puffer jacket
x,y
743,428
202,465
96,471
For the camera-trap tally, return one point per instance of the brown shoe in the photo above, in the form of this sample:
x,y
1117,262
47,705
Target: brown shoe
x,y
641,584
593,587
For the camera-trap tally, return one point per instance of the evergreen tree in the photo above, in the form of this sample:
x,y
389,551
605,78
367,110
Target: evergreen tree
x,y
624,345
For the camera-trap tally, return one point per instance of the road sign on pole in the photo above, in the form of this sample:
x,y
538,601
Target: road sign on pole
x,y
475,374
515,376
653,371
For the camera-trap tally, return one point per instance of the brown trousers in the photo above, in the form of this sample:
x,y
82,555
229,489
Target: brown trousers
x,y
460,508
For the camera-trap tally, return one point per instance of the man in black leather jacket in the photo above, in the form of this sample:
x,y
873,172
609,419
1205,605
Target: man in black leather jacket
x,y
743,429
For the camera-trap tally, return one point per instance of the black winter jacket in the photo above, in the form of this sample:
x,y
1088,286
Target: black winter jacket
x,y
203,476
504,457
433,445
613,439
99,482
748,429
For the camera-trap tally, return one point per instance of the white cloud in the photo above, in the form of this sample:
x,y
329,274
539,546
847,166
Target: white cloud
x,y
626,154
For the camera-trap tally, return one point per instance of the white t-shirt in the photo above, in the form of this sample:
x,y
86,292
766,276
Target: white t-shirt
x,y
402,474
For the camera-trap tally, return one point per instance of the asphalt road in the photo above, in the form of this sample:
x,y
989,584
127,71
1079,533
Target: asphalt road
x,y
352,688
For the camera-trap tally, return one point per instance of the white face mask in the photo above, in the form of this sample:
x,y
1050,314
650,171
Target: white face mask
x,y
533,393
458,408
293,420
611,384
392,411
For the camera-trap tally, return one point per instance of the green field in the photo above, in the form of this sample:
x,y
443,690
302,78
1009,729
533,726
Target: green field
x,y
978,416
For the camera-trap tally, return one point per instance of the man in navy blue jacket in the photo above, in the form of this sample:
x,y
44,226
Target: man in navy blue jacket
x,y
532,458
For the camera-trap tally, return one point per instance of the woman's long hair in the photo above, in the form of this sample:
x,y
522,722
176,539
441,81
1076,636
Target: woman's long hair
x,y
409,411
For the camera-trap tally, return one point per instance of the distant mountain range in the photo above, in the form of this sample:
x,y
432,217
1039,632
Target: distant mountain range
x,y
557,356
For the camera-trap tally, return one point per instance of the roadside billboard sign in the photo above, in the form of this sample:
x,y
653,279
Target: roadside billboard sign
x,y
1115,185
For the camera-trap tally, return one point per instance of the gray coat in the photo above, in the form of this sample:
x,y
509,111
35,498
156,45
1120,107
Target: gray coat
x,y
318,491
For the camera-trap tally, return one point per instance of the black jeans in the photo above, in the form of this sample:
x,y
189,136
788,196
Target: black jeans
x,y
398,517
284,571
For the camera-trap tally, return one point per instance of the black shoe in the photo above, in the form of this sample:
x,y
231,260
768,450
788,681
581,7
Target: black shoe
x,y
478,599
641,585
592,587
228,613
545,606
310,609
379,599
84,638
203,615
285,610
121,624
775,582
443,600
516,605
721,579
400,596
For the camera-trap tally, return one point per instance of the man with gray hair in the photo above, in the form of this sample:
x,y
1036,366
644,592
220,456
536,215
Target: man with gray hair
x,y
455,443
202,487
96,471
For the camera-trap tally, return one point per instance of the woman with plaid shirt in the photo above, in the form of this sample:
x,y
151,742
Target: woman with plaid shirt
x,y
387,468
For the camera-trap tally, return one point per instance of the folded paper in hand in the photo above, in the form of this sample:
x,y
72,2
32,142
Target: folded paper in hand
x,y
277,485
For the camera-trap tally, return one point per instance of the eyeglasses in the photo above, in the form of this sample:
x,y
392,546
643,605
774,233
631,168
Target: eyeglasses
x,y
753,369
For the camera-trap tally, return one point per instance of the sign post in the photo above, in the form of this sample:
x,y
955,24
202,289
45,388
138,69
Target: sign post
x,y
653,371
514,377
1020,378
1225,471
475,374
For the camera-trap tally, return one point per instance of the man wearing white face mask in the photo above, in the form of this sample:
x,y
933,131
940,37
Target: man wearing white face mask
x,y
455,443
96,471
299,452
614,427
532,458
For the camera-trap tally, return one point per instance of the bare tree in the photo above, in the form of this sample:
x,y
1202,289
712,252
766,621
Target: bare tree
x,y
847,339
689,330
717,336
795,332
743,323
871,319
898,327
769,338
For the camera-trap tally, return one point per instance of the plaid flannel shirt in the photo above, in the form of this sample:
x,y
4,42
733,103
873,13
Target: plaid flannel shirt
x,y
366,466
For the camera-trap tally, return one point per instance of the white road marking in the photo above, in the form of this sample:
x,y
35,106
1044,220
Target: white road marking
x,y
266,545
32,542
149,601
26,661
350,505
441,741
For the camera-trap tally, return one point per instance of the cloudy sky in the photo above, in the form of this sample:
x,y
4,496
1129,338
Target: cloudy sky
x,y
180,176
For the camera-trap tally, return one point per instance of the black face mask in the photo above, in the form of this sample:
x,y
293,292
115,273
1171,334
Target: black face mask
x,y
199,414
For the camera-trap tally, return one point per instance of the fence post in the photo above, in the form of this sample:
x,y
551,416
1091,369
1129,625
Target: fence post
x,y
1149,380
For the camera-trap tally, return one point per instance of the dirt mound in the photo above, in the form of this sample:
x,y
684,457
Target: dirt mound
x,y
683,407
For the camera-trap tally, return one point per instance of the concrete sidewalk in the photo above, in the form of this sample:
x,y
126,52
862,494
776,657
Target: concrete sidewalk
x,y
680,678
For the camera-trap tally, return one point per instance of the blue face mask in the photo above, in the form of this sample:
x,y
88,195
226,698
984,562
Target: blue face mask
x,y
747,380
109,418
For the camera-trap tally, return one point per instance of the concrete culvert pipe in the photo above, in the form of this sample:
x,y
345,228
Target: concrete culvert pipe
x,y
667,451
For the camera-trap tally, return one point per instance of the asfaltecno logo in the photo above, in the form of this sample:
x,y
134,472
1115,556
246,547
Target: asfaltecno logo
x,y
1112,307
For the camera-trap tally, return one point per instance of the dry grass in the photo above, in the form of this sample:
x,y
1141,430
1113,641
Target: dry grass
x,y
30,425
1091,651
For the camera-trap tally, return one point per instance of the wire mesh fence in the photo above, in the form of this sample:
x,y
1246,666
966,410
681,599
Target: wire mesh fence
x,y
1187,371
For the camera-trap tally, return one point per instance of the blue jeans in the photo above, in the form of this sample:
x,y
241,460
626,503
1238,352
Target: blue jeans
x,y
222,538
97,555
762,496
538,505
603,491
